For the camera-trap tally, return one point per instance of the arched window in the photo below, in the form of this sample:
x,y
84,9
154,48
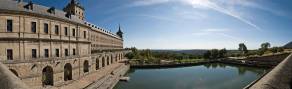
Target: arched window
x,y
107,60
117,57
103,61
67,72
48,76
85,66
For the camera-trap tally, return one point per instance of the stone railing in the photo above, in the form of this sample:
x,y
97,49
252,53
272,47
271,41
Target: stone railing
x,y
278,78
8,80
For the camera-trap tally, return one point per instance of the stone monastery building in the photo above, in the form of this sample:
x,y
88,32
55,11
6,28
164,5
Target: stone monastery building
x,y
44,46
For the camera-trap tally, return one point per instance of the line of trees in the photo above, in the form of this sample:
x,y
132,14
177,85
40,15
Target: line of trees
x,y
215,54
153,56
264,48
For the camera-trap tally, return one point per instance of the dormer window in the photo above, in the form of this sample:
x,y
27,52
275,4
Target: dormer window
x,y
51,10
68,15
29,6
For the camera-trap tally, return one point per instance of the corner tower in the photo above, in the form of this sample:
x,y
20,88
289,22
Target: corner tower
x,y
74,8
120,33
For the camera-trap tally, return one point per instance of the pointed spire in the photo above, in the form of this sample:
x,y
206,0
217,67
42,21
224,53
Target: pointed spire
x,y
120,33
119,27
73,1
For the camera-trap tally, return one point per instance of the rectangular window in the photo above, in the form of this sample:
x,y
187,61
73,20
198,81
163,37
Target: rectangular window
x,y
46,28
73,32
46,53
57,53
33,27
66,52
33,53
74,52
56,29
66,31
9,54
84,34
9,25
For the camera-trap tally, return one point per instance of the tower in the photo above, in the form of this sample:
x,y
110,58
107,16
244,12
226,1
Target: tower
x,y
74,8
120,33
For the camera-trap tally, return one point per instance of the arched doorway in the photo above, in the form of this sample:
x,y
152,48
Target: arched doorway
x,y
112,59
117,57
97,64
85,66
14,72
48,76
121,56
103,61
67,72
107,60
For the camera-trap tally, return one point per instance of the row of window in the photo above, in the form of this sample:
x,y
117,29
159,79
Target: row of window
x,y
46,28
34,53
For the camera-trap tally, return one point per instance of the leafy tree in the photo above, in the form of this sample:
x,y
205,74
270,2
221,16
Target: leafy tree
x,y
265,46
280,49
243,48
222,53
214,53
207,55
274,49
129,55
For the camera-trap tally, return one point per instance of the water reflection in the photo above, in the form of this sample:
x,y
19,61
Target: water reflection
x,y
208,76
241,69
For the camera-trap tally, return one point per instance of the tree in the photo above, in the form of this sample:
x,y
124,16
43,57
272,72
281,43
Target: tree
x,y
214,53
207,54
280,49
243,48
265,46
222,53
274,49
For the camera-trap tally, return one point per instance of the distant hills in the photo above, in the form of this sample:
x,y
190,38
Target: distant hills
x,y
289,45
194,51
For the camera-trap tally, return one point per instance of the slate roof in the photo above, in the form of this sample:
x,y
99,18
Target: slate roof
x,y
15,5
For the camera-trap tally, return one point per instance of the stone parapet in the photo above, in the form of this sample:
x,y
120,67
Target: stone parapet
x,y
278,78
8,80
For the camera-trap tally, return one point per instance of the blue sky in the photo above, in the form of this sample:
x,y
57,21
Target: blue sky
x,y
191,24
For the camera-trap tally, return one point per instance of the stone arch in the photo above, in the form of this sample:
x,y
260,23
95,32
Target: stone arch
x,y
107,60
97,64
67,72
48,76
14,72
121,57
116,58
112,57
85,66
103,62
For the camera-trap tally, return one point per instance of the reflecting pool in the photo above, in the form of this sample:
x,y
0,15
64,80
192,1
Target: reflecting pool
x,y
208,76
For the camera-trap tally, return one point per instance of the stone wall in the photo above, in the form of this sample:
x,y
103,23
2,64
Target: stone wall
x,y
278,78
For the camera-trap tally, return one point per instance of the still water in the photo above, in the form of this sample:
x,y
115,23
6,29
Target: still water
x,y
208,76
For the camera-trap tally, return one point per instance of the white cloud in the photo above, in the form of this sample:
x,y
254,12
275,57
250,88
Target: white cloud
x,y
147,2
208,4
209,32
